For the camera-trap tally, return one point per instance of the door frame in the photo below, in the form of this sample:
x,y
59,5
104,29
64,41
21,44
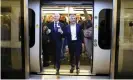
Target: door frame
x,y
114,39
25,41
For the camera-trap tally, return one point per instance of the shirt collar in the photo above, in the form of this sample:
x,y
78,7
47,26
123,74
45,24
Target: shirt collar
x,y
57,21
72,24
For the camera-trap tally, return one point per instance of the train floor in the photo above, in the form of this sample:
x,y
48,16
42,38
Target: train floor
x,y
65,70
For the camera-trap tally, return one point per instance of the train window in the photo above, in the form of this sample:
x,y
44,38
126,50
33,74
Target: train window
x,y
5,23
31,27
105,23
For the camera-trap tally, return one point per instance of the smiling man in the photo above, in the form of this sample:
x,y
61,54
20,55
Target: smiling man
x,y
74,37
56,35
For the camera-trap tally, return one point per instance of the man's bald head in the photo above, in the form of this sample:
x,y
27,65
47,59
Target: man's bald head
x,y
56,16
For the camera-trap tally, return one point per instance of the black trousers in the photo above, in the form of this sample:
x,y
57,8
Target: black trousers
x,y
56,50
74,50
52,50
45,53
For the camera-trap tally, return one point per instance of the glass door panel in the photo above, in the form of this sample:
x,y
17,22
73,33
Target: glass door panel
x,y
125,40
12,39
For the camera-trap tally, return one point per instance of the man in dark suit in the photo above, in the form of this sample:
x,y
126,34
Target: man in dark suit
x,y
56,34
74,35
45,46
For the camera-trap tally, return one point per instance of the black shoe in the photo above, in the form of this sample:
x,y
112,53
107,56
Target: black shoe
x,y
71,70
77,71
57,72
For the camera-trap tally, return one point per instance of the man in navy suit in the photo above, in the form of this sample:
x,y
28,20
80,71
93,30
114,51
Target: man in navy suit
x,y
74,35
56,34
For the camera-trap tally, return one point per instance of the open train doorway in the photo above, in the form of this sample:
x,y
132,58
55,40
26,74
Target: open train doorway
x,y
101,17
47,12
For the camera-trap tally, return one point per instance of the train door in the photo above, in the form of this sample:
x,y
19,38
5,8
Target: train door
x,y
14,39
123,41
102,36
35,41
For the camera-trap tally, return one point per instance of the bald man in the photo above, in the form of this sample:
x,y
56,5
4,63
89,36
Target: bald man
x,y
56,35
74,36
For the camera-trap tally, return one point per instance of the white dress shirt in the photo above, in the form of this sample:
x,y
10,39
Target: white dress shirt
x,y
73,32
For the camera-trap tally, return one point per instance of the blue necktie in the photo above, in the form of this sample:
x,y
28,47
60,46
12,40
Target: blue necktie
x,y
55,27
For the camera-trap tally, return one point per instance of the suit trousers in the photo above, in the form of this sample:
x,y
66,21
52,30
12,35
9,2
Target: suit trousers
x,y
74,50
57,50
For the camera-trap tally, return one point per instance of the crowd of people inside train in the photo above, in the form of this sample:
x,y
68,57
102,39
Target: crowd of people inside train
x,y
60,35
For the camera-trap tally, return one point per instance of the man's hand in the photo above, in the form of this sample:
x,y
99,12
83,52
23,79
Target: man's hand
x,y
48,41
60,30
83,47
67,49
48,31
44,28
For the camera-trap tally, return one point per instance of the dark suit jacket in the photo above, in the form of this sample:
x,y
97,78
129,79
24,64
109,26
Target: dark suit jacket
x,y
55,36
79,33
67,33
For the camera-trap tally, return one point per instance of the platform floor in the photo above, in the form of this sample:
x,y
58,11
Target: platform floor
x,y
54,77
65,70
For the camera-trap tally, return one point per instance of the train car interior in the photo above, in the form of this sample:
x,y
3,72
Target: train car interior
x,y
64,11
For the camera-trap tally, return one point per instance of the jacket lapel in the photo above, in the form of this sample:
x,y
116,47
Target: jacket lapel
x,y
77,29
69,31
52,26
